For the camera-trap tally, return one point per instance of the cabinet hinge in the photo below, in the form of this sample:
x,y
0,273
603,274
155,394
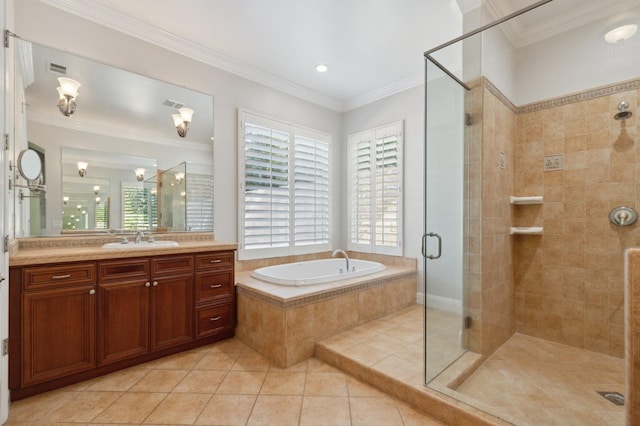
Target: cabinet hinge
x,y
5,347
7,35
467,322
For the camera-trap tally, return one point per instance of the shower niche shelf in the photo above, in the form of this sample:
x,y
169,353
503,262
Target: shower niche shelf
x,y
536,199
525,230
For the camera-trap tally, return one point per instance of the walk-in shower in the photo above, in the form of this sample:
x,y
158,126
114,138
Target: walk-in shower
x,y
522,170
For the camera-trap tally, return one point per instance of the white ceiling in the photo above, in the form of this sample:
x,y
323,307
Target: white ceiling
x,y
373,48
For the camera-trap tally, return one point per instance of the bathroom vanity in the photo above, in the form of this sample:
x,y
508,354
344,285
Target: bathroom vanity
x,y
79,312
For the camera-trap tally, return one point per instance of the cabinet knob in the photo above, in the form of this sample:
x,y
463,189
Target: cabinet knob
x,y
92,291
155,283
147,284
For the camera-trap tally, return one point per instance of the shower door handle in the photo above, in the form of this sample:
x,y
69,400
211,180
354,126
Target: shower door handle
x,y
424,246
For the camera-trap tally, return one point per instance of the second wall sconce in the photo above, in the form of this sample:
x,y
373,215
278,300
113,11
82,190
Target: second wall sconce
x,y
68,92
96,189
182,120
82,168
139,174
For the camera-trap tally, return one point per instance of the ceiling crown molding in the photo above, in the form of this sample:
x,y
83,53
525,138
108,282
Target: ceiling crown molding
x,y
384,92
520,36
120,22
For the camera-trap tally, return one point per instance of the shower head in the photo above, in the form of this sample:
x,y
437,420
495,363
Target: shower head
x,y
623,114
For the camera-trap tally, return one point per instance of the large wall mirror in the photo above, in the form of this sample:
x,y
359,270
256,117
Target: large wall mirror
x,y
120,151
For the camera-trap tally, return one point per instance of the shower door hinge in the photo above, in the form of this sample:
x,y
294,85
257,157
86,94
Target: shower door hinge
x,y
6,142
5,347
5,243
467,119
467,322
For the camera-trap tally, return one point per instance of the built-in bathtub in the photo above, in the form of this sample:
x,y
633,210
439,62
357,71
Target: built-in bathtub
x,y
319,271
284,322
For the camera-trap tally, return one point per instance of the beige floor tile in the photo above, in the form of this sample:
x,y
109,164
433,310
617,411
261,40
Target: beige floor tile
x,y
83,407
300,367
181,361
365,354
276,410
374,412
242,382
325,411
398,368
178,409
159,381
227,410
132,407
316,365
233,345
357,388
326,384
37,407
251,362
411,417
119,381
200,381
222,361
284,383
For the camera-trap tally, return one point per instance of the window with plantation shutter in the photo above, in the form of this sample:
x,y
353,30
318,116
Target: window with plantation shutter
x,y
284,195
375,176
137,206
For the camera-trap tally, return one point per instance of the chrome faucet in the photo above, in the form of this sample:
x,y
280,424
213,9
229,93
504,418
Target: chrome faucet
x,y
139,237
344,254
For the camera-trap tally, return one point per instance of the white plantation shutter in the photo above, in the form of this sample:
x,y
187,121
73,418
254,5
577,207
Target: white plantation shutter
x,y
284,196
199,202
375,190
311,191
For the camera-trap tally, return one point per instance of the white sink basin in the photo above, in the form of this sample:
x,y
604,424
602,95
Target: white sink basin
x,y
142,245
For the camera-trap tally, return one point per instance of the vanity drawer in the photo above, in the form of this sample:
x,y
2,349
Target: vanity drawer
x,y
123,269
223,259
213,285
215,319
171,265
63,275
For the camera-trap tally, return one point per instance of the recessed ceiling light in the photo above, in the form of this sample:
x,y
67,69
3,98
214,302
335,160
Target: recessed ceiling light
x,y
322,68
624,32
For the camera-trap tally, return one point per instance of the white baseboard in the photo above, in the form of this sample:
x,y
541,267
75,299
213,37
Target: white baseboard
x,y
439,302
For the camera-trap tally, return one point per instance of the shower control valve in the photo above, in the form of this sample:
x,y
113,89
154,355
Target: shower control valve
x,y
623,216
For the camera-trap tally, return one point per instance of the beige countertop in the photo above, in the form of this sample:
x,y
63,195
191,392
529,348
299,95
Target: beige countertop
x,y
53,251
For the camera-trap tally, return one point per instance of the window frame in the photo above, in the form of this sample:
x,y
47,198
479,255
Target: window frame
x,y
292,132
393,129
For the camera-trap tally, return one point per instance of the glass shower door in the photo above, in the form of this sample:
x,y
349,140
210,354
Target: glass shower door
x,y
443,239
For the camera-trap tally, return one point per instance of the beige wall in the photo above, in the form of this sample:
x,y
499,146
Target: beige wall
x,y
569,281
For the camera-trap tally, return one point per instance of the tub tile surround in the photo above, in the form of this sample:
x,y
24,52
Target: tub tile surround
x,y
283,323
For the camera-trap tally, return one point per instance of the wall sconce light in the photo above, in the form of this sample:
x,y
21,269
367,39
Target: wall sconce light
x,y
97,200
139,174
82,168
96,189
68,92
65,200
79,207
179,176
182,120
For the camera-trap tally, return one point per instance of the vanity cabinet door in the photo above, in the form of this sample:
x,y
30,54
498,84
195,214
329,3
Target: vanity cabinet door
x,y
123,320
58,335
171,311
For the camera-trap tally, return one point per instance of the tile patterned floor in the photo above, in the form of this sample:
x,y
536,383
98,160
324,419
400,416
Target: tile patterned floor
x,y
222,384
538,382
528,381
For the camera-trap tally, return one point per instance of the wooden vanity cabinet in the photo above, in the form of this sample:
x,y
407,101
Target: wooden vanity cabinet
x,y
73,321
58,321
145,305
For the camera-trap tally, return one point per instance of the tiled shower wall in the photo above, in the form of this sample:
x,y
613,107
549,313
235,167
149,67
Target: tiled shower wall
x,y
569,282
489,184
